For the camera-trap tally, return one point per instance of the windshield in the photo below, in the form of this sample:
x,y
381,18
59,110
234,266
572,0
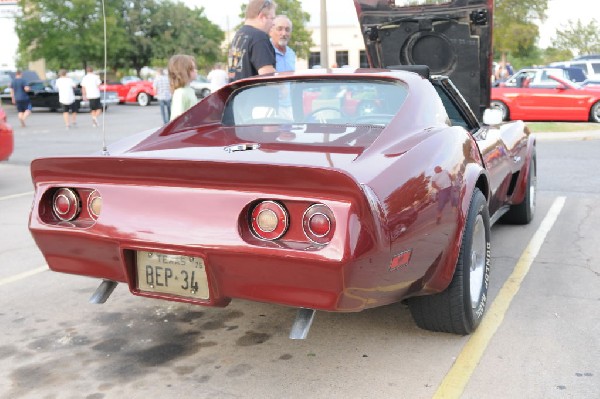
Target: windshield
x,y
325,101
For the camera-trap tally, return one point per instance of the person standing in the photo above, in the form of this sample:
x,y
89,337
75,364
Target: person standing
x,y
251,52
19,97
90,90
163,94
285,57
66,97
182,70
217,77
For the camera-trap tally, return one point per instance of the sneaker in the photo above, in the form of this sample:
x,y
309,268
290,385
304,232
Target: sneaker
x,y
94,123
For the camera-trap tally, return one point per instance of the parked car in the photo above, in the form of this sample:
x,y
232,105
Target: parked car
x,y
321,190
590,66
43,94
201,86
6,137
563,101
540,77
132,91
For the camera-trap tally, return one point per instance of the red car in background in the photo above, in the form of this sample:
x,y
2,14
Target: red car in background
x,y
565,101
6,137
132,89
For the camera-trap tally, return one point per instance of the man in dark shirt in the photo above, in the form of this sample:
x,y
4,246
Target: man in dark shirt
x,y
251,52
19,97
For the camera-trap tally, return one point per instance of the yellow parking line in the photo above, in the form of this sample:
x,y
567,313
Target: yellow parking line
x,y
457,378
16,195
23,275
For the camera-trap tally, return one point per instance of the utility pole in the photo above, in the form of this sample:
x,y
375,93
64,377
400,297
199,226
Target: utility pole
x,y
324,41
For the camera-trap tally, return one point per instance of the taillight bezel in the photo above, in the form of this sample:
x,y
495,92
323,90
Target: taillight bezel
x,y
311,211
73,200
283,220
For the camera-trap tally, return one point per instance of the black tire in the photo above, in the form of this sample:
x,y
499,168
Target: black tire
x,y
453,310
595,112
204,93
502,107
143,99
523,213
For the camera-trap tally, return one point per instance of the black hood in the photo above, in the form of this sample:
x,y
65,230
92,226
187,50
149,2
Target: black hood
x,y
452,37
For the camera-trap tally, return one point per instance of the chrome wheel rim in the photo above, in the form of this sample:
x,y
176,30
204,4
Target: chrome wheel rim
x,y
532,187
478,257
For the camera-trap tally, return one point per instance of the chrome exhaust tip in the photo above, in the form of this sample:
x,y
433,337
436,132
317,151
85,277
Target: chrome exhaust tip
x,y
304,319
103,291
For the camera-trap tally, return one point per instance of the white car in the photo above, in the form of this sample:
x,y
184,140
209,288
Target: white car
x,y
201,86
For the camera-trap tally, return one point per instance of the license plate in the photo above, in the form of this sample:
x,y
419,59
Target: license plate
x,y
172,274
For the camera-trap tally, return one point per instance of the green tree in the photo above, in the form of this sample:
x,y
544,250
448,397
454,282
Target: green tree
x,y
66,34
579,37
301,38
515,32
179,30
69,34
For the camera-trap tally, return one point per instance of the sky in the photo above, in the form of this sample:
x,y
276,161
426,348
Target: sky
x,y
339,12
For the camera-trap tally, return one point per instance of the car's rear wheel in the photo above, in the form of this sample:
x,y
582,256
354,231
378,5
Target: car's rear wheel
x,y
460,307
595,112
523,213
204,93
502,107
143,99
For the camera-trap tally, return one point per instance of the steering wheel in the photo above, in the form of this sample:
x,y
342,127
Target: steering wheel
x,y
314,116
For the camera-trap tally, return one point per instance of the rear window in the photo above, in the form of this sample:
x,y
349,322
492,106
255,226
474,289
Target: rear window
x,y
325,101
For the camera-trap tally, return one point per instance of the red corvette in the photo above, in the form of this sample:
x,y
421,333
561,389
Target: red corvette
x,y
6,137
133,91
566,101
317,190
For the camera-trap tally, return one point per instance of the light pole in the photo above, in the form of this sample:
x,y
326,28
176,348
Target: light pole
x,y
324,42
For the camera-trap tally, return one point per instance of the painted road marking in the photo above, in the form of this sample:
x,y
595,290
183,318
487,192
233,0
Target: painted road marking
x,y
16,196
23,275
459,375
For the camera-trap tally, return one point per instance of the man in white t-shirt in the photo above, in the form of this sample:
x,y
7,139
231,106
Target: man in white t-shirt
x,y
66,97
218,77
90,90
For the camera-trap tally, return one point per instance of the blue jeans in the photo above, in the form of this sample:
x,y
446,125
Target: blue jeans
x,y
165,110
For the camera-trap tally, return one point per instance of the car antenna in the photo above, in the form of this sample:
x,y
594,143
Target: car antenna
x,y
104,147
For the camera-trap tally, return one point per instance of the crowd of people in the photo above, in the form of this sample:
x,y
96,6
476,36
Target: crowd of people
x,y
259,47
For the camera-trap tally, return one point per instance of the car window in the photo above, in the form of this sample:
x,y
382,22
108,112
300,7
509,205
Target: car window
x,y
325,101
454,114
596,67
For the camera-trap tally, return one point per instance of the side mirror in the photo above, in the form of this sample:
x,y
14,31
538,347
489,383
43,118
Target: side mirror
x,y
492,116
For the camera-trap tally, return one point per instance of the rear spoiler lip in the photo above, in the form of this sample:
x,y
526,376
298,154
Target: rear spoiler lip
x,y
292,179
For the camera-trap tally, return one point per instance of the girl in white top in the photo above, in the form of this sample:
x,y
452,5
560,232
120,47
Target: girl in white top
x,y
182,70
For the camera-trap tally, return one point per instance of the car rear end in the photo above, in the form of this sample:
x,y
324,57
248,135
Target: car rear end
x,y
205,232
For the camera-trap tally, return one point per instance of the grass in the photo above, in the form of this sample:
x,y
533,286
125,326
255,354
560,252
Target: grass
x,y
550,127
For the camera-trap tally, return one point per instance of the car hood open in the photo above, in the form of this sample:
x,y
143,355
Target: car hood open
x,y
452,37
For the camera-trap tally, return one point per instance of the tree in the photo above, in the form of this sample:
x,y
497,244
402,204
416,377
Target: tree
x,y
579,38
514,31
180,30
66,34
69,34
301,38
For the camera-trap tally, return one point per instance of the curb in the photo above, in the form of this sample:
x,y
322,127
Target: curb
x,y
578,136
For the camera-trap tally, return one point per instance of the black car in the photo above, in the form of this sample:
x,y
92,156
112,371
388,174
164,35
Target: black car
x,y
43,94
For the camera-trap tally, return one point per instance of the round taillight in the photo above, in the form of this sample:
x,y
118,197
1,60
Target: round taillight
x,y
94,204
318,223
66,204
269,220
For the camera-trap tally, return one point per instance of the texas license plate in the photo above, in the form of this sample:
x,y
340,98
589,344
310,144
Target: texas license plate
x,y
172,274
